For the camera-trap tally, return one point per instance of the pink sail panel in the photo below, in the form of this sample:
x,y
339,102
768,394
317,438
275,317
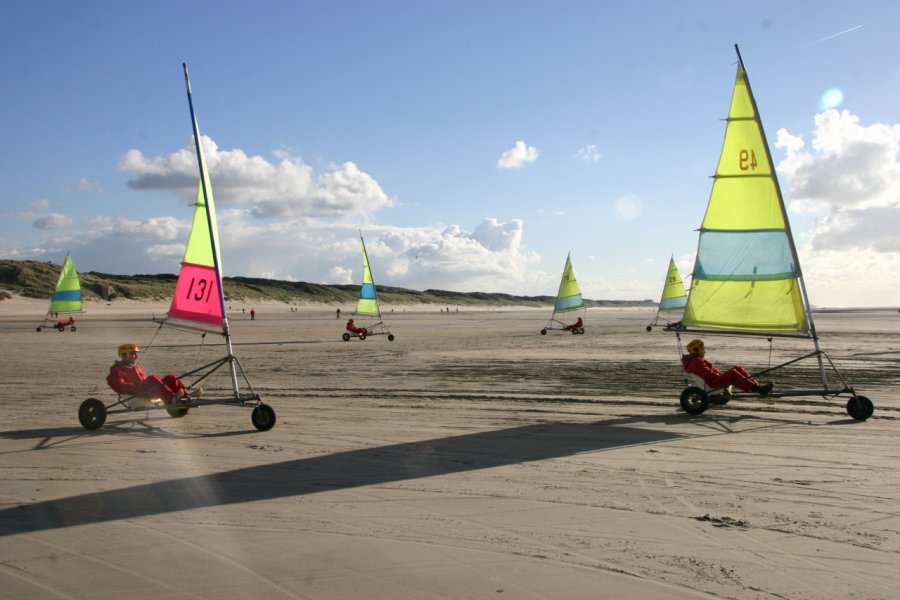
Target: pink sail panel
x,y
197,296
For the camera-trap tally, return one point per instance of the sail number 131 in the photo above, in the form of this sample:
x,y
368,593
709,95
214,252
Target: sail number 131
x,y
748,160
201,294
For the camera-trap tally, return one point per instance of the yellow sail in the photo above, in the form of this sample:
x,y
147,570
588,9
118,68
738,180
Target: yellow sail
x,y
746,275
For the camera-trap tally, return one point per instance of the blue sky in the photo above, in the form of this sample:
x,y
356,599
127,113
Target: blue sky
x,y
474,143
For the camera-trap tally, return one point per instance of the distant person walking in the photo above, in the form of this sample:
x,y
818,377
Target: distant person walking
x,y
338,313
252,314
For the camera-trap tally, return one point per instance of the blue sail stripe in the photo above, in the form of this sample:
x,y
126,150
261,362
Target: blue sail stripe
x,y
367,291
67,296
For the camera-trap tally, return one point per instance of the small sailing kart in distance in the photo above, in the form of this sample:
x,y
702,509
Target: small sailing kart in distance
x,y
576,328
66,299
568,298
353,331
60,325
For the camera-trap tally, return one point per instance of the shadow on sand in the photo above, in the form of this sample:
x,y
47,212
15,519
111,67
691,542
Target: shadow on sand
x,y
351,469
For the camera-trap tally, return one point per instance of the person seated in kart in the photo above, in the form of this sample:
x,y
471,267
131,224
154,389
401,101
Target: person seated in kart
x,y
127,378
354,329
695,363
576,325
68,323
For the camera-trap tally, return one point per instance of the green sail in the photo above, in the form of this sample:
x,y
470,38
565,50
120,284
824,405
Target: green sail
x,y
368,298
746,275
67,296
569,295
673,297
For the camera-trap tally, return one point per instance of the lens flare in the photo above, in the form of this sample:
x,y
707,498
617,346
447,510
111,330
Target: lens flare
x,y
831,99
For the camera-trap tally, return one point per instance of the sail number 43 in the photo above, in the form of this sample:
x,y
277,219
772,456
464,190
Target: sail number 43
x,y
748,160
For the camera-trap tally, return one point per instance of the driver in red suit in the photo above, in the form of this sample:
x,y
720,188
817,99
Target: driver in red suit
x,y
354,329
126,377
695,363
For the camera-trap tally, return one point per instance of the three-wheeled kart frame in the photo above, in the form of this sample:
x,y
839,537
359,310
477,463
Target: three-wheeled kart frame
x,y
697,397
93,412
378,328
59,325
557,325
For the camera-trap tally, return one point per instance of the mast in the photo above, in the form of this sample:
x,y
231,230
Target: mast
x,y
788,230
212,238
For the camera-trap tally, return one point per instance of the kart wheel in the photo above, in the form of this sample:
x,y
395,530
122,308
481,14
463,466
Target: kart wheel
x,y
860,408
346,337
390,337
543,332
73,328
694,400
263,417
362,336
92,414
38,329
581,331
176,413
720,399
574,331
61,328
649,327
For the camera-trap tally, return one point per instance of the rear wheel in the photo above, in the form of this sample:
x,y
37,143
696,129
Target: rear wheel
x,y
73,328
263,417
61,328
860,408
92,414
694,400
176,413
346,337
580,330
362,336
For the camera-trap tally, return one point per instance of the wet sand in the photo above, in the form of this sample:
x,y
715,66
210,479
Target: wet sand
x,y
469,458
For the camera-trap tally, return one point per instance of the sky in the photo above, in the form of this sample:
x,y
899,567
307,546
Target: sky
x,y
474,143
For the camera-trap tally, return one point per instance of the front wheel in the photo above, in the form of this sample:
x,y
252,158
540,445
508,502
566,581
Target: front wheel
x,y
72,328
580,330
61,328
263,417
176,413
38,329
694,400
543,332
390,337
860,408
346,337
92,414
362,336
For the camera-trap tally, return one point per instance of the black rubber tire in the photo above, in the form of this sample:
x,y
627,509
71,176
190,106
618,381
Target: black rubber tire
x,y
92,414
38,329
649,327
362,336
60,328
346,337
543,332
390,337
177,413
263,417
73,328
694,400
575,332
860,408
720,399
581,331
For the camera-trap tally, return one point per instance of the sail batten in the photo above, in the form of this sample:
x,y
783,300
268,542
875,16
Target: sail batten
x,y
746,274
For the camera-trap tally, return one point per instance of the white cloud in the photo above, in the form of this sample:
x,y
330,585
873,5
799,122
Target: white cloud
x,y
628,208
53,221
589,154
849,178
84,184
288,188
42,204
518,156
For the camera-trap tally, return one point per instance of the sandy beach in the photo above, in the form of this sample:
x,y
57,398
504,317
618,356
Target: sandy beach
x,y
471,457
